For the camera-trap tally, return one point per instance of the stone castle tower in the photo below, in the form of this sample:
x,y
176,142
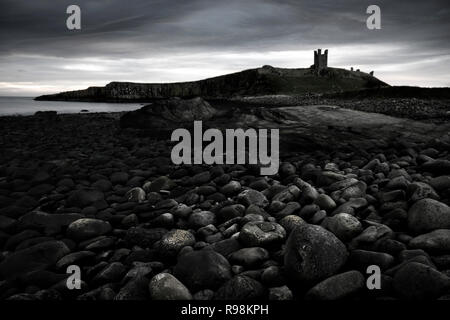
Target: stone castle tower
x,y
320,60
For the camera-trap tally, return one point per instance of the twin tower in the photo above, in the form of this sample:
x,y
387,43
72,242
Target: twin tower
x,y
320,60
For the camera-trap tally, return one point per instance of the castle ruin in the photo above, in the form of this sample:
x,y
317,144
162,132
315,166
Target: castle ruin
x,y
320,60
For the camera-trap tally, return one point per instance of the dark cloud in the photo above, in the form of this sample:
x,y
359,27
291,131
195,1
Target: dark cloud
x,y
412,31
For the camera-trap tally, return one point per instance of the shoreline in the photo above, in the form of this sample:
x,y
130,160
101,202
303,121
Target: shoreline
x,y
420,109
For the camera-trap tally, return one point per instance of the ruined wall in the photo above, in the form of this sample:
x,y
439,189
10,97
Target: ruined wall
x,y
320,60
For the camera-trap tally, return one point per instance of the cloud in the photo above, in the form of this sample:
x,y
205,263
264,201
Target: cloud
x,y
170,40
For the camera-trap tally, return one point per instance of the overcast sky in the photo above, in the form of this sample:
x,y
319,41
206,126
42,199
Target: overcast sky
x,y
167,40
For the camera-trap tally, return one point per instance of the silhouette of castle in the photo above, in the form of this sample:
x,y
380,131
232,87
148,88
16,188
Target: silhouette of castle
x,y
320,60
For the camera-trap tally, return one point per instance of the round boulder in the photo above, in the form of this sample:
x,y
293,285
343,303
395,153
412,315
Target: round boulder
x,y
427,215
87,228
173,241
261,234
165,286
313,254
344,226
203,269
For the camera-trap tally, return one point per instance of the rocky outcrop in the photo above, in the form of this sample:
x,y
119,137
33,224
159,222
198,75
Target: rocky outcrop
x,y
164,114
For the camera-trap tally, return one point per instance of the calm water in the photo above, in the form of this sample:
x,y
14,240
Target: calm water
x,y
27,106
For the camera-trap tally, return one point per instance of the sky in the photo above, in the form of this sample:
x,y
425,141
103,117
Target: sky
x,y
185,40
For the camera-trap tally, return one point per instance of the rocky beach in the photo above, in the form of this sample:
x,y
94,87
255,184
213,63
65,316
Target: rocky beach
x,y
354,189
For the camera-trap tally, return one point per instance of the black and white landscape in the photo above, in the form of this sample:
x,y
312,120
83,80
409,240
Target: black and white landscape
x,y
359,207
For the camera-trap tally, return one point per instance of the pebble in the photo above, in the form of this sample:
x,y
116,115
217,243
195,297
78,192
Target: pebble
x,y
165,286
84,197
211,270
337,287
252,197
87,228
427,215
261,234
241,288
38,257
249,257
415,281
434,241
173,241
201,219
136,195
344,226
280,293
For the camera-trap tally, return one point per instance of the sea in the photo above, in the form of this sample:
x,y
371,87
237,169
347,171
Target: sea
x,y
27,106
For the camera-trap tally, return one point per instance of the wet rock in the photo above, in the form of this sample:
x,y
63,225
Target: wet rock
x,y
421,190
226,247
87,228
289,209
351,206
356,190
201,178
210,271
288,194
84,197
74,258
286,169
135,289
7,223
339,286
111,273
119,178
201,219
280,293
231,188
136,195
415,281
313,254
325,202
182,211
165,286
344,226
231,211
241,288
290,222
361,259
439,166
102,185
144,238
261,234
204,295
427,215
273,276
372,234
252,197
48,223
249,257
38,257
308,211
41,189
173,241
160,183
435,241
167,114
440,183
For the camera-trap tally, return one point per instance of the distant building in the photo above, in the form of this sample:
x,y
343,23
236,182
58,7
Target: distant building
x,y
320,60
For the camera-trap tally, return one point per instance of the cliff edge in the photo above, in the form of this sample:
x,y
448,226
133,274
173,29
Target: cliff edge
x,y
252,82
